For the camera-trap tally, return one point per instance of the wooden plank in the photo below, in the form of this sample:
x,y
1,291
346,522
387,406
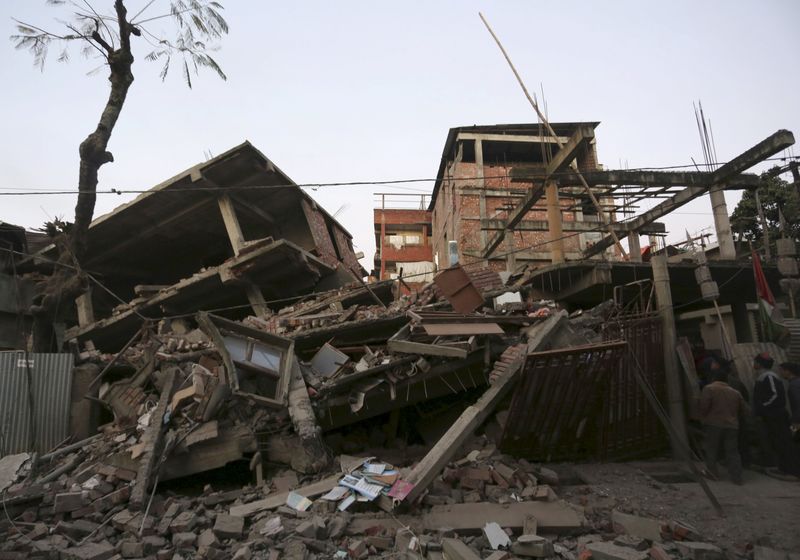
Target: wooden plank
x,y
272,502
551,517
451,329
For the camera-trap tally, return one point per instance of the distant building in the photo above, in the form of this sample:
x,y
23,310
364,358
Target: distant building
x,y
484,173
403,239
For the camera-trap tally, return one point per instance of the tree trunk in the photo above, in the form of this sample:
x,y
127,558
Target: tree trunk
x,y
68,280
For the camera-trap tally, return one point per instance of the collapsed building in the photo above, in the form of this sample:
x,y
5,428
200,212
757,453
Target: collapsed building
x,y
228,327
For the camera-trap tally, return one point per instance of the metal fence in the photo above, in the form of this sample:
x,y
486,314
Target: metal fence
x,y
555,412
630,427
41,380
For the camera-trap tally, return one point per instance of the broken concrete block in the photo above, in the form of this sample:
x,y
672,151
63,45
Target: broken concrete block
x,y
636,543
646,528
207,538
90,551
657,552
499,555
69,501
184,541
496,536
131,549
153,543
184,522
548,476
357,549
699,550
228,526
533,546
610,551
242,553
455,549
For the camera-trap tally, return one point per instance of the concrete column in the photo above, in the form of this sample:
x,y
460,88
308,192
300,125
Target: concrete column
x,y
511,255
669,342
85,309
722,224
380,249
634,248
554,224
481,184
231,223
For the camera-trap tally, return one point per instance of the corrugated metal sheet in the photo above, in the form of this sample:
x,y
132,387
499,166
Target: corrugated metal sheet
x,y
51,386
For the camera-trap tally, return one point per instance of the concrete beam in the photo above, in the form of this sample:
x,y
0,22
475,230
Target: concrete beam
x,y
569,152
510,137
527,173
561,160
568,226
768,147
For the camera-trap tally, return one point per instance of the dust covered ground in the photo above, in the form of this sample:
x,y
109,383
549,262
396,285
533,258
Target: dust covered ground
x,y
764,511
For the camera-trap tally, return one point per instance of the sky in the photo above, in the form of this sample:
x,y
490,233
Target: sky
x,y
366,91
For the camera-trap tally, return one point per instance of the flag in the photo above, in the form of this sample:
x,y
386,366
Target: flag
x,y
769,315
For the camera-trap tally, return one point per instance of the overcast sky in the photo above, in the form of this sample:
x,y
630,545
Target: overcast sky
x,y
366,91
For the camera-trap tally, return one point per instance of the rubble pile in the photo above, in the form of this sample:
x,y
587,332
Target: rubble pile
x,y
199,392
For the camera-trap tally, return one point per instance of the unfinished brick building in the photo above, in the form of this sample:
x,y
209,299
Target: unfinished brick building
x,y
484,175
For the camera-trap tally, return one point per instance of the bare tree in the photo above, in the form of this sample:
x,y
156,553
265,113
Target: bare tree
x,y
107,36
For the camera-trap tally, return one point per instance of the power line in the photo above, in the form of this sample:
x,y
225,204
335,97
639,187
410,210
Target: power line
x,y
23,191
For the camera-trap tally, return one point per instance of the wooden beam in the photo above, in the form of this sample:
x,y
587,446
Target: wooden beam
x,y
770,146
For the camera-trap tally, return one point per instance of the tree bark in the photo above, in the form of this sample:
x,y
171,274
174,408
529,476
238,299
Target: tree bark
x,y
68,280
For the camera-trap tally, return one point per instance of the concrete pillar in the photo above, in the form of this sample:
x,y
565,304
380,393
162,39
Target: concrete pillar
x,y
85,308
634,248
231,223
554,225
481,184
722,224
669,343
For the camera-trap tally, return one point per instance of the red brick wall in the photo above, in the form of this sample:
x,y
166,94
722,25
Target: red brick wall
x,y
319,230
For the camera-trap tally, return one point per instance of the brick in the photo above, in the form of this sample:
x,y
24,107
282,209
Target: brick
x,y
228,526
153,543
90,551
130,549
610,551
357,549
699,550
69,501
184,522
184,541
207,538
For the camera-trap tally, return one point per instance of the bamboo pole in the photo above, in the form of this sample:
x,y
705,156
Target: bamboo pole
x,y
552,133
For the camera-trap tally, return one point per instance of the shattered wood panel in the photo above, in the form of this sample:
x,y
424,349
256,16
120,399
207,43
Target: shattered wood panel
x,y
50,391
557,399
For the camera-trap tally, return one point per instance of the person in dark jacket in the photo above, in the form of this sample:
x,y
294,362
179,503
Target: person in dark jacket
x,y
791,373
769,404
720,408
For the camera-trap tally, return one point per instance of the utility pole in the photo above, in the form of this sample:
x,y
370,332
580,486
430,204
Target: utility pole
x,y
669,343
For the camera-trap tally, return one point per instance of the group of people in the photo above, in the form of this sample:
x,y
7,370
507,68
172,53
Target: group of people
x,y
723,411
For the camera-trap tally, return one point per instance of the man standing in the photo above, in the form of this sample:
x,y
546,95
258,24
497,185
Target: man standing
x,y
769,404
720,409
791,373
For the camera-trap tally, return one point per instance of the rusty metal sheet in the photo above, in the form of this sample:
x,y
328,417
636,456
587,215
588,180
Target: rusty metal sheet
x,y
458,289
465,329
